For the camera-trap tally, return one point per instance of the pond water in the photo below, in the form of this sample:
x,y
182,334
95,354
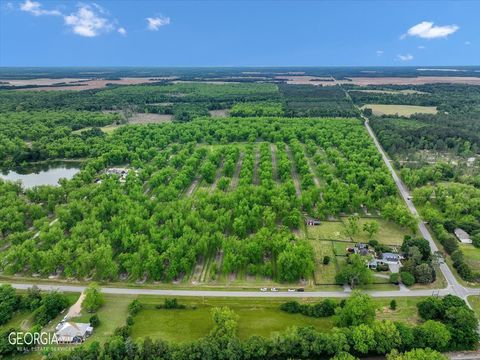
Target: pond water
x,y
41,174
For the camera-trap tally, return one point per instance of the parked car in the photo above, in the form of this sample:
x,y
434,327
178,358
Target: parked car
x,y
274,289
263,289
301,289
291,290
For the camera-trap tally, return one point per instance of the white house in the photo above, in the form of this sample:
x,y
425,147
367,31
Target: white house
x,y
462,236
71,332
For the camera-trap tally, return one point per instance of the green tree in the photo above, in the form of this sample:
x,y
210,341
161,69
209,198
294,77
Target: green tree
x,y
93,298
8,303
387,336
407,278
351,227
371,228
225,323
358,309
432,334
355,272
417,354
363,338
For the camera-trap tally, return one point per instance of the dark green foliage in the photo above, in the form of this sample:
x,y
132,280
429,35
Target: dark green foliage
x,y
393,304
172,304
326,260
134,307
307,100
51,305
323,308
94,320
9,302
407,278
459,318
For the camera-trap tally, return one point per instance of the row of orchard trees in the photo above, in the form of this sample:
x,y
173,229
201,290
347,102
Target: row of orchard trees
x,y
147,227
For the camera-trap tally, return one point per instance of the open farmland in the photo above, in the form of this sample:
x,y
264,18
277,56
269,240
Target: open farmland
x,y
400,110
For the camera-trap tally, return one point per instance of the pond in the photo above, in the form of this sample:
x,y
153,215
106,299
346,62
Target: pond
x,y
42,174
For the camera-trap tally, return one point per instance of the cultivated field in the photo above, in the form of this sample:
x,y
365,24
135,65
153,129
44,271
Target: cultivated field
x,y
401,110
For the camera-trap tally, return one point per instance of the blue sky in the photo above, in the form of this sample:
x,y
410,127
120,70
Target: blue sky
x,y
238,33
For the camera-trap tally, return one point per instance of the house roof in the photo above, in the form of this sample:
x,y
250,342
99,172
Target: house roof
x,y
390,255
72,329
461,234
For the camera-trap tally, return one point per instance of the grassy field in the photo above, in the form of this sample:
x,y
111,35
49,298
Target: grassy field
x,y
475,303
401,110
331,230
389,232
256,317
324,274
112,315
472,255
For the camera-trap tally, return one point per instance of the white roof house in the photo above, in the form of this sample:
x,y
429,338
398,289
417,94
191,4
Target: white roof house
x,y
462,236
71,332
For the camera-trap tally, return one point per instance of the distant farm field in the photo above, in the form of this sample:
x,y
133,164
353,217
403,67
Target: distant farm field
x,y
401,110
401,92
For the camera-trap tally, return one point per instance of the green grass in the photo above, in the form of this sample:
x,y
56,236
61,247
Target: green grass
x,y
472,255
256,317
112,314
324,274
21,320
389,233
475,303
406,309
330,230
340,247
401,110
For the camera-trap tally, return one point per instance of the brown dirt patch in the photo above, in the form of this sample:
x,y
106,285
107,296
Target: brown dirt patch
x,y
141,118
86,84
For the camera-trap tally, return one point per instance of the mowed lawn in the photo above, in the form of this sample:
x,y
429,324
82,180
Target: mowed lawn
x,y
401,110
472,255
324,274
112,314
327,230
256,317
389,233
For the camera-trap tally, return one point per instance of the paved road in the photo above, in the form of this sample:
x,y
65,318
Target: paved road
x,y
234,293
454,286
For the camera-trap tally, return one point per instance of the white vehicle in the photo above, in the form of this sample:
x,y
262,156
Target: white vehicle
x,y
263,289
274,289
291,290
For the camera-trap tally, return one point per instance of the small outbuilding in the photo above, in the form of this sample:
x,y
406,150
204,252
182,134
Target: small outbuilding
x,y
462,236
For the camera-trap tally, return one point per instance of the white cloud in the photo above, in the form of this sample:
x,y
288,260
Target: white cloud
x,y
35,8
467,42
421,47
427,30
122,31
87,22
379,52
406,57
155,23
